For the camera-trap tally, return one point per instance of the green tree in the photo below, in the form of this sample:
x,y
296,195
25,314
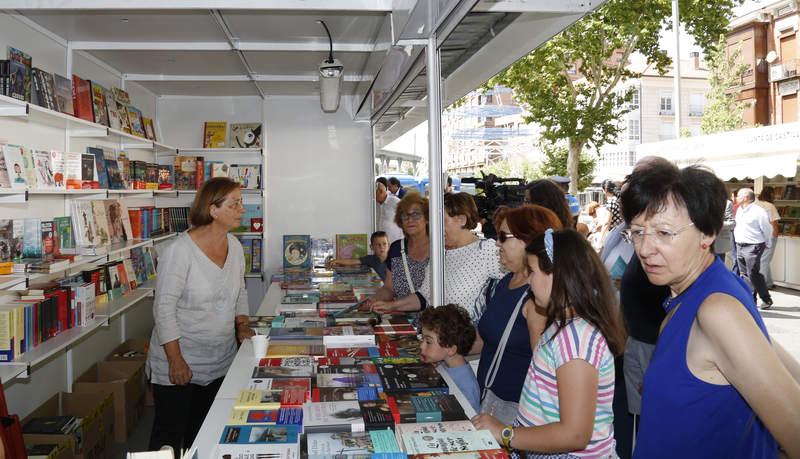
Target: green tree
x,y
514,167
555,163
723,112
585,112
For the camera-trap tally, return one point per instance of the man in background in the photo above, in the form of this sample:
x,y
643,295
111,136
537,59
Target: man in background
x,y
396,188
572,201
753,234
387,207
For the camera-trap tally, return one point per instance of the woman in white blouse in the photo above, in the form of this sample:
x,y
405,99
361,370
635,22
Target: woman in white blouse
x,y
200,310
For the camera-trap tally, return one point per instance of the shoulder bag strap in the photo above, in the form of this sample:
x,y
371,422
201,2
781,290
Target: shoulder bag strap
x,y
501,347
405,268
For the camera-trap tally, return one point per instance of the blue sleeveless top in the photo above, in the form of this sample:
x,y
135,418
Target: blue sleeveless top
x,y
685,417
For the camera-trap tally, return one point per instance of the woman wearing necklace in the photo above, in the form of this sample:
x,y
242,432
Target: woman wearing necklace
x,y
716,386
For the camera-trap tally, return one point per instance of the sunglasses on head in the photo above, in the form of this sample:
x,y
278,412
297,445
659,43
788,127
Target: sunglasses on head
x,y
502,236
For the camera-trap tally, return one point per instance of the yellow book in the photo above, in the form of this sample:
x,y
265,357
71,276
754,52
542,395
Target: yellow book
x,y
215,134
261,399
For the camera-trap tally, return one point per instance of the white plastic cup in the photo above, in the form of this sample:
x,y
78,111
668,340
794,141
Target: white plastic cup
x,y
259,346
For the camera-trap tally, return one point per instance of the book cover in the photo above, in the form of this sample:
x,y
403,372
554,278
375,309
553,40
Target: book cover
x,y
259,399
149,129
72,168
246,175
245,135
185,173
122,101
258,451
254,416
151,176
279,383
282,372
6,240
376,415
114,213
291,415
58,167
339,445
135,118
5,182
114,115
115,181
16,166
82,98
333,394
448,442
100,166
101,221
348,380
363,368
296,251
63,94
251,211
88,180
32,238
260,434
139,267
48,240
138,175
295,350
483,454
344,416
43,170
302,362
165,177
215,134
351,246
99,111
84,226
122,274
22,66
44,89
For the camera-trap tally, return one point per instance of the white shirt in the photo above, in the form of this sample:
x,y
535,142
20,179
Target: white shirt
x,y
386,212
196,302
466,270
772,211
752,225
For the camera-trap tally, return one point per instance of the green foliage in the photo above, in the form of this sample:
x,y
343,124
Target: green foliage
x,y
586,111
515,167
723,113
555,163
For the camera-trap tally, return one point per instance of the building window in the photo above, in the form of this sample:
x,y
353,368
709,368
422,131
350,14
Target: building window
x,y
634,130
666,105
667,131
697,104
634,103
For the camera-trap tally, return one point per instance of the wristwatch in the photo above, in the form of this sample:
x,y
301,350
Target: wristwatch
x,y
506,435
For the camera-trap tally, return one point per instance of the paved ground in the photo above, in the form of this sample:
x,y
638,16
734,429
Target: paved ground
x,y
783,319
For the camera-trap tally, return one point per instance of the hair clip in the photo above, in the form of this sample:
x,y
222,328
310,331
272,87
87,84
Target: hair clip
x,y
548,243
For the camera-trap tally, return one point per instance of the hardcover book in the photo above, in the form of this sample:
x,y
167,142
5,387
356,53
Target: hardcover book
x,y
21,72
116,214
82,98
245,135
114,121
48,241
246,175
43,170
100,166
165,177
101,221
151,176
342,416
63,94
115,180
71,166
351,246
88,180
149,128
296,251
256,416
135,118
122,101
185,173
215,134
99,111
339,445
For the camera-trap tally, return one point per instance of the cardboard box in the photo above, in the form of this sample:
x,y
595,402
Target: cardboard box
x,y
132,350
125,380
65,449
96,411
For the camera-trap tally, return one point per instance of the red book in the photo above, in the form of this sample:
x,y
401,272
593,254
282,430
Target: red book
x,y
82,98
293,396
199,171
135,216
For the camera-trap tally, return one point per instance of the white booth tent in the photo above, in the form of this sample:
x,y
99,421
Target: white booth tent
x,y
747,153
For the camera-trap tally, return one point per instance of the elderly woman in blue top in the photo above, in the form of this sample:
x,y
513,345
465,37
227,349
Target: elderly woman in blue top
x,y
200,310
717,386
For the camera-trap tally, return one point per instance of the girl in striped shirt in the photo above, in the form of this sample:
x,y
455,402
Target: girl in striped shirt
x,y
575,327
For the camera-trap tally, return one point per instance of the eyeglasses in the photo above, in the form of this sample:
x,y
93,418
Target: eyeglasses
x,y
411,216
662,236
502,236
235,204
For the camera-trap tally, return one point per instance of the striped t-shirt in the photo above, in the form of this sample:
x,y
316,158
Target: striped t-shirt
x,y
538,403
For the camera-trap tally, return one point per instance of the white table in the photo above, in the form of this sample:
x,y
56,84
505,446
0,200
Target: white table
x,y
271,300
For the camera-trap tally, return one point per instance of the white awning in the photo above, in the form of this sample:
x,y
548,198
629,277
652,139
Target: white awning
x,y
767,151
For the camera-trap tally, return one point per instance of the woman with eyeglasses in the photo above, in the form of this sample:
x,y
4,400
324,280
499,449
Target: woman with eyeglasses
x,y
408,259
503,339
200,311
717,385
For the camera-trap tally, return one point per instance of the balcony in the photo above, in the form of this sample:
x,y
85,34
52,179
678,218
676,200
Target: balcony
x,y
696,110
783,71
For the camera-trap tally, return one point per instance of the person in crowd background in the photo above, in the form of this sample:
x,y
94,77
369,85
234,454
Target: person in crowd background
x,y
503,339
753,233
408,258
447,336
387,211
200,310
724,241
379,243
449,188
546,193
713,355
572,201
611,216
565,406
766,199
396,188
591,218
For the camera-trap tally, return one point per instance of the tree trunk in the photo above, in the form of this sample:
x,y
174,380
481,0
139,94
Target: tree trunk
x,y
575,149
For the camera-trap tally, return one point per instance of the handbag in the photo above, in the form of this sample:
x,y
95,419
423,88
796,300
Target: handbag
x,y
503,410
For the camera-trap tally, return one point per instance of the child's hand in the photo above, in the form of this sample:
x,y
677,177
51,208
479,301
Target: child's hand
x,y
490,423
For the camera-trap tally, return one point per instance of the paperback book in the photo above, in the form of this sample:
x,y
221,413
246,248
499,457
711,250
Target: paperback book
x,y
351,246
245,135
296,251
344,416
215,134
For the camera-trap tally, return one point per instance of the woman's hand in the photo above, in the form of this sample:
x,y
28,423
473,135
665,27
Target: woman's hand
x,y
179,372
490,423
368,304
243,332
383,306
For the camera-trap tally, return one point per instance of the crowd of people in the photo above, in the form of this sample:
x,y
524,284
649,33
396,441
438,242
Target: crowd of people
x,y
627,315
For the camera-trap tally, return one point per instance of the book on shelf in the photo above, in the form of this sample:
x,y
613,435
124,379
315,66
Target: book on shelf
x,y
16,166
245,135
99,111
215,134
82,98
296,253
21,72
185,173
7,244
43,170
295,350
135,119
246,175
100,166
48,240
165,177
5,182
101,221
63,94
114,115
84,226
151,176
351,246
32,238
149,128
88,180
71,164
343,416
122,100
44,89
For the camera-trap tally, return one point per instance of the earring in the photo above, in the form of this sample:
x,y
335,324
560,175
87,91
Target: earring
x,y
704,246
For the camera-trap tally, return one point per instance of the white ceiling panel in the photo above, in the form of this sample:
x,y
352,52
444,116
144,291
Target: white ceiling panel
x,y
128,25
201,88
174,62
300,27
298,63
298,88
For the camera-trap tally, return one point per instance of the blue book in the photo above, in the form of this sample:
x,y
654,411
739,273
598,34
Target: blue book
x,y
297,251
100,164
32,238
260,434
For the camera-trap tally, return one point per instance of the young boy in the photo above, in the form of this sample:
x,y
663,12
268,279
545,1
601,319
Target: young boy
x,y
447,336
379,243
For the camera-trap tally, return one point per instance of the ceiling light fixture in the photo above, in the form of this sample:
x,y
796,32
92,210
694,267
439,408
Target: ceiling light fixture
x,y
330,78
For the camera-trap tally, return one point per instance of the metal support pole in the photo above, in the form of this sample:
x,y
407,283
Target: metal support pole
x,y
436,207
676,64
